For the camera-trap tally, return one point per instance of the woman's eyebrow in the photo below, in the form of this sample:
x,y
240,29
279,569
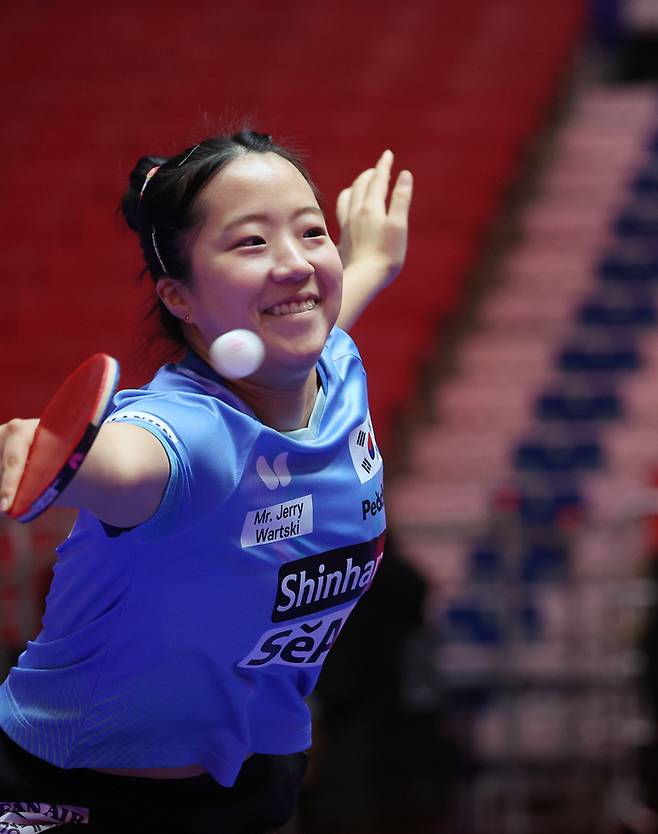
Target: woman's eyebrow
x,y
262,218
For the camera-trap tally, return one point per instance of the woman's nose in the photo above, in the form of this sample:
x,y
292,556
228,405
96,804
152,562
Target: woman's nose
x,y
291,265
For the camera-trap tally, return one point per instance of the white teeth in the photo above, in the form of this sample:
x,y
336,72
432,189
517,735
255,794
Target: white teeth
x,y
292,307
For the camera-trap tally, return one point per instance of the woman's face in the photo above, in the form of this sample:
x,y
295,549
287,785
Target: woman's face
x,y
262,260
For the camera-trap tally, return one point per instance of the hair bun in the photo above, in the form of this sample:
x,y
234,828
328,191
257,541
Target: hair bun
x,y
131,199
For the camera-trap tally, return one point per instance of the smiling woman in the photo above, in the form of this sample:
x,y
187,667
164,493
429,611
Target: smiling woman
x,y
222,539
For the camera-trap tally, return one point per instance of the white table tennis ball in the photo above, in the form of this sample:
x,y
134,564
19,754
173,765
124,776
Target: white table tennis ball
x,y
237,353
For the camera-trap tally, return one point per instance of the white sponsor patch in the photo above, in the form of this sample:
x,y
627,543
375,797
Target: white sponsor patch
x,y
34,817
145,418
365,454
278,522
303,644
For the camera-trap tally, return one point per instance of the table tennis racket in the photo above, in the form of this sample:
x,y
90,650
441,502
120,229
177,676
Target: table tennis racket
x,y
67,428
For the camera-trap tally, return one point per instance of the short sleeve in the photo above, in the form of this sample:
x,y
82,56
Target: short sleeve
x,y
204,462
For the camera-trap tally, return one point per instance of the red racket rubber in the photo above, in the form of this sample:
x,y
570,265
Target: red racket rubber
x,y
66,431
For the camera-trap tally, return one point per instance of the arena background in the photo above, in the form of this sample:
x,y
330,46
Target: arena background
x,y
500,679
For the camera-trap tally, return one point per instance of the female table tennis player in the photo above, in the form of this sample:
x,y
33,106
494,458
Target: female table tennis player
x,y
226,528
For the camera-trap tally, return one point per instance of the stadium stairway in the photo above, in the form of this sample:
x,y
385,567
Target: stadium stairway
x,y
559,334
525,494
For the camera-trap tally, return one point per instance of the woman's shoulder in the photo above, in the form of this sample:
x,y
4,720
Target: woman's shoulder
x,y
181,386
182,406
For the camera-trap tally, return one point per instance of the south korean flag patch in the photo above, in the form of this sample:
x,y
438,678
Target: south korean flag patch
x,y
365,454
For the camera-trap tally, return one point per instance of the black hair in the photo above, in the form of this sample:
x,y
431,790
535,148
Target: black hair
x,y
161,207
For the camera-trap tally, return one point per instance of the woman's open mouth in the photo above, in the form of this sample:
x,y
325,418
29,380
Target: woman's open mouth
x,y
292,307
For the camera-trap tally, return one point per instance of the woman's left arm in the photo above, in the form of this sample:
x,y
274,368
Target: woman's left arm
x,y
373,238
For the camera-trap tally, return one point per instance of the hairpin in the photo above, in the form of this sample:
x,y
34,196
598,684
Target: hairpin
x,y
187,156
157,251
148,178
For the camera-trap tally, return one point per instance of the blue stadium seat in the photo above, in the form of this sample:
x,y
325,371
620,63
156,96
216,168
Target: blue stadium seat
x,y
632,221
634,311
639,268
581,407
487,562
545,563
545,504
559,457
605,359
467,621
646,183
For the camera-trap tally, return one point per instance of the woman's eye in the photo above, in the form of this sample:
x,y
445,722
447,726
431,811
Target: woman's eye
x,y
316,231
252,240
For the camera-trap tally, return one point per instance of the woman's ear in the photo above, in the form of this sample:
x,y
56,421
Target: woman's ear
x,y
172,294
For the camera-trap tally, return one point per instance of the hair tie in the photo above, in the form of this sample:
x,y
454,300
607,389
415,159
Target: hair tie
x,y
147,179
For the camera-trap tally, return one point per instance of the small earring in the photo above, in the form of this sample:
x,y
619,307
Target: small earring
x,y
188,318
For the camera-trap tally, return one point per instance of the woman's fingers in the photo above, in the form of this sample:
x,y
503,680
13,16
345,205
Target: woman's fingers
x,y
369,190
343,206
15,440
377,189
374,218
398,211
359,190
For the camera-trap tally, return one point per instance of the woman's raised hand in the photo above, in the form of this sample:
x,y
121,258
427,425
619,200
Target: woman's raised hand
x,y
371,231
373,235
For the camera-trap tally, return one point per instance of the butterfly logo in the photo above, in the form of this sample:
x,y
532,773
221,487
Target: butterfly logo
x,y
276,475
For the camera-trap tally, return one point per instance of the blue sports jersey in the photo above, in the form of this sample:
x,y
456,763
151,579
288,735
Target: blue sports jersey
x,y
196,636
